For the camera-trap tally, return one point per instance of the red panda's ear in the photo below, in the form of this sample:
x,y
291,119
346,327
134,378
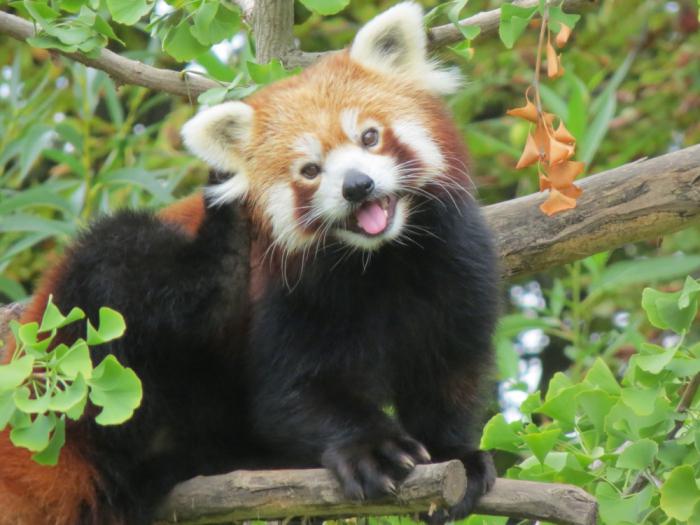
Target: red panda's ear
x,y
394,43
218,135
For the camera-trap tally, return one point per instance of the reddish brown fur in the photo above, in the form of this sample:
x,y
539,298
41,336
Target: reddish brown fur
x,y
32,494
187,213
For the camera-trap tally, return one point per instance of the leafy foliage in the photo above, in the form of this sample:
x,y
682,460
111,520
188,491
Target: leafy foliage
x,y
633,441
46,382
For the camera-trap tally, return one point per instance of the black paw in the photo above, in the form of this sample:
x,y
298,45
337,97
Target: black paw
x,y
481,475
368,469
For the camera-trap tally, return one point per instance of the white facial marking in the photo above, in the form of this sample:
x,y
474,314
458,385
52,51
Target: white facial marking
x,y
228,191
281,212
415,136
309,146
348,121
329,199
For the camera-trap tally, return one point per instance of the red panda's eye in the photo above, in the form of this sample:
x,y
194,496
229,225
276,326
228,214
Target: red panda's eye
x,y
310,170
370,137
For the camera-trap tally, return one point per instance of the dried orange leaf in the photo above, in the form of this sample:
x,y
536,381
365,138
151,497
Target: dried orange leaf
x,y
563,174
544,182
557,202
554,67
563,35
542,140
563,135
527,112
572,191
559,152
530,154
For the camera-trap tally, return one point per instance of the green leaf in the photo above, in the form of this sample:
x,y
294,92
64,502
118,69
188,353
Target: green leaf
x,y
270,72
180,44
558,15
128,11
212,96
637,271
654,358
140,177
679,494
498,434
7,408
111,326
35,436
540,443
639,455
531,403
116,389
214,22
690,291
617,510
54,319
106,30
663,310
600,375
513,22
76,362
49,455
640,400
31,405
596,404
15,373
66,399
325,7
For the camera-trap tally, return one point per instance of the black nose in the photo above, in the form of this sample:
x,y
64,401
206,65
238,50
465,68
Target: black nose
x,y
356,186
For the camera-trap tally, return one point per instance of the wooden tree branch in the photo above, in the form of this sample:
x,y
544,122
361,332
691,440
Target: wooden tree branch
x,y
638,201
278,494
272,22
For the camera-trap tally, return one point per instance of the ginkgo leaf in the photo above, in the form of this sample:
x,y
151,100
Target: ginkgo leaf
x,y
530,155
559,152
563,35
557,202
572,191
542,140
527,112
562,175
563,135
554,67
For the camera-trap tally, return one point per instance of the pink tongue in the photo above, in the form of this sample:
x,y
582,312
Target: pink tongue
x,y
371,218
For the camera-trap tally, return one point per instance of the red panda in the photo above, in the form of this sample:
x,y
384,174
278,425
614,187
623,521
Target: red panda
x,y
372,281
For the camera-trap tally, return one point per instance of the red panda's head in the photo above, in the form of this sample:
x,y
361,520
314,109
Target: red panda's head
x,y
344,150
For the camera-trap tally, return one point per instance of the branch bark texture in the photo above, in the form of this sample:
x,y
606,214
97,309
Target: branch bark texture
x,y
638,201
278,494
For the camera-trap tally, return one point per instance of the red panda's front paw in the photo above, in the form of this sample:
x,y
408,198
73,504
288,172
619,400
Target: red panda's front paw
x,y
368,469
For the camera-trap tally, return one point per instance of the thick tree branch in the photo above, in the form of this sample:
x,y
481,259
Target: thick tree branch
x,y
278,494
272,22
638,201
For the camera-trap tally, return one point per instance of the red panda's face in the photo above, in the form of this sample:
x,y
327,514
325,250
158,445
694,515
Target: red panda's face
x,y
342,152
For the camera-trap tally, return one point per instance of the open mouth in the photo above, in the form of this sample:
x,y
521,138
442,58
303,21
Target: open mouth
x,y
373,217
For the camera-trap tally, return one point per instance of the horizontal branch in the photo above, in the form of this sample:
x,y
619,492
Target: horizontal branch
x,y
277,494
122,70
637,201
127,71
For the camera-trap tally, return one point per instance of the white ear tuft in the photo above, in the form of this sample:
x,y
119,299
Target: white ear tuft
x,y
218,135
230,190
394,43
